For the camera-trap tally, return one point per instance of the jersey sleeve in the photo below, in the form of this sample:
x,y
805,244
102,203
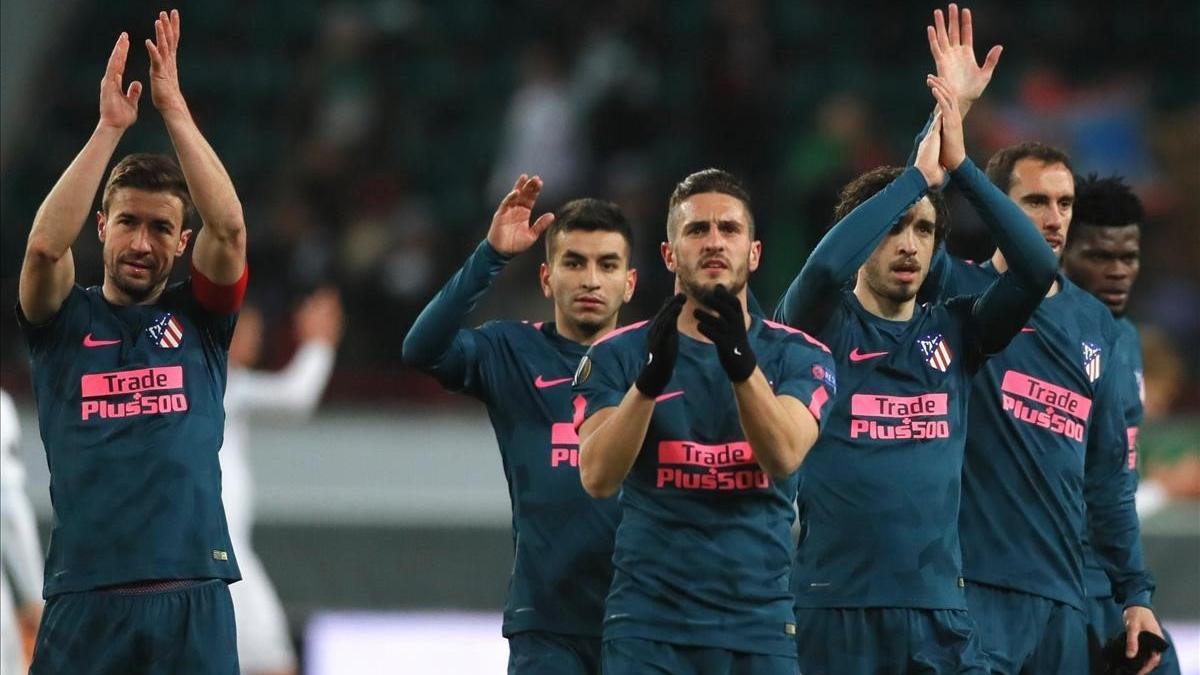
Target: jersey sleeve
x,y
437,344
604,376
974,345
1004,307
809,376
814,294
1109,496
50,334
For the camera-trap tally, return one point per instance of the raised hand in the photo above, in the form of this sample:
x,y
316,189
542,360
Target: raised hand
x,y
662,348
511,232
319,317
953,50
164,70
954,149
928,159
727,330
118,106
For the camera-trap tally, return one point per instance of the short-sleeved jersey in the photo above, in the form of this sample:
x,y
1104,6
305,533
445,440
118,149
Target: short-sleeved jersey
x,y
129,402
704,548
1037,411
880,490
1129,352
562,538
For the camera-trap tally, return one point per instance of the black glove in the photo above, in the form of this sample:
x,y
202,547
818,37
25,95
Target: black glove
x,y
727,330
1115,662
662,345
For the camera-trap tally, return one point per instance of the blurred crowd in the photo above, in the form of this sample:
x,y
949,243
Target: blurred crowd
x,y
370,141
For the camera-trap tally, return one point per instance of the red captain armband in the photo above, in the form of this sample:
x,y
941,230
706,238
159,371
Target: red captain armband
x,y
218,298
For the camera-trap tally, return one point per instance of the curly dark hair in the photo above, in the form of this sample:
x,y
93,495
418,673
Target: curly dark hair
x,y
1106,202
867,185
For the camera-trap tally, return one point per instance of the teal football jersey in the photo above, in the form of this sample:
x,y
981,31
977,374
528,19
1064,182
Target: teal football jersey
x,y
703,552
129,402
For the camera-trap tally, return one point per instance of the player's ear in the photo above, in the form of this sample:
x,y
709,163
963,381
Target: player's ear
x,y
630,284
755,254
184,238
668,255
544,279
101,222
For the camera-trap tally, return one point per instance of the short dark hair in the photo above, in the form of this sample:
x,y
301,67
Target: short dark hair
x,y
1000,166
1105,202
589,215
150,172
867,185
710,180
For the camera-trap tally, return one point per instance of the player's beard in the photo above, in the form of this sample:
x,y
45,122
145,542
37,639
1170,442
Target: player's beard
x,y
878,282
135,289
698,290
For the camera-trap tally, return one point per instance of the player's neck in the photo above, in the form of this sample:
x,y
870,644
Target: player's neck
x,y
1001,266
690,326
570,331
883,307
115,296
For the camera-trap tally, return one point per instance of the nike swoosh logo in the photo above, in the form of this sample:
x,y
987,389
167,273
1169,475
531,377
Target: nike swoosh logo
x,y
542,384
1027,329
856,356
668,396
89,341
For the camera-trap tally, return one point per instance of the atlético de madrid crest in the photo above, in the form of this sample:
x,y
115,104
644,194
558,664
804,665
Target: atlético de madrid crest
x,y
936,352
1091,361
166,331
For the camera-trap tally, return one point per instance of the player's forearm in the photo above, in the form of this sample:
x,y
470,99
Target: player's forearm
x,y
208,182
1030,259
432,335
839,254
64,211
780,440
609,446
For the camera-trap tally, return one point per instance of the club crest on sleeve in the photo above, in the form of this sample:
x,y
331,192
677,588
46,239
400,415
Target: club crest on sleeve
x,y
1091,361
822,374
936,352
583,371
166,331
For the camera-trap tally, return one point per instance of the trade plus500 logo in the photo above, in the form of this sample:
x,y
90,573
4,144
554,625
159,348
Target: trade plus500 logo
x,y
146,391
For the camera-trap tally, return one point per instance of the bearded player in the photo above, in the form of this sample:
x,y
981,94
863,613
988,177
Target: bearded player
x,y
129,378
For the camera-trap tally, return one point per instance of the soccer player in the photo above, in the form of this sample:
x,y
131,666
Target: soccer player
x,y
700,418
264,647
1046,437
1102,256
562,539
128,378
877,575
20,551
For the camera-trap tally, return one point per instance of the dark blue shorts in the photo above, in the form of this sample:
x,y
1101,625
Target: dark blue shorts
x,y
1106,619
542,653
885,640
634,656
187,628
1026,633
